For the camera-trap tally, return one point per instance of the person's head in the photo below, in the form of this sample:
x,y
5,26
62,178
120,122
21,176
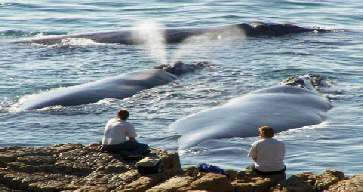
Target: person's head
x,y
266,132
123,114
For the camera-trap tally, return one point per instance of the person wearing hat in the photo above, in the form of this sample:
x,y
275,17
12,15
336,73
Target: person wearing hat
x,y
120,136
267,153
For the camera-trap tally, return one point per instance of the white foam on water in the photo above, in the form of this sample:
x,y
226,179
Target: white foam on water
x,y
22,102
75,42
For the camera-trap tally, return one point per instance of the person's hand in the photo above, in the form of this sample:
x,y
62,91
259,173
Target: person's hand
x,y
132,139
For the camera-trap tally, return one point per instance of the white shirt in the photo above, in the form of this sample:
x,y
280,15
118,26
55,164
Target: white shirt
x,y
116,131
269,154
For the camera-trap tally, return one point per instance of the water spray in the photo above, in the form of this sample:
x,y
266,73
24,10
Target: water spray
x,y
208,40
152,36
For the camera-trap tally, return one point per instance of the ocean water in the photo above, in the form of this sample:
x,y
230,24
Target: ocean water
x,y
241,65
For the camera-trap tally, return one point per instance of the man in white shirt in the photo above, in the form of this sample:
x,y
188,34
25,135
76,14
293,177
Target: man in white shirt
x,y
119,135
267,153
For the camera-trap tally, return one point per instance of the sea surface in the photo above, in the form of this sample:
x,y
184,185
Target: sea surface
x,y
241,65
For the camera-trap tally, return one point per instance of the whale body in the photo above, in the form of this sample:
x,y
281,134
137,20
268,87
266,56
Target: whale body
x,y
119,87
177,35
282,107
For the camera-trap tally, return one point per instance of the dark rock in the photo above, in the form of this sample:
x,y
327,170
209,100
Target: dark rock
x,y
76,167
3,188
143,183
178,183
354,184
212,182
328,178
6,158
191,171
256,184
301,183
37,160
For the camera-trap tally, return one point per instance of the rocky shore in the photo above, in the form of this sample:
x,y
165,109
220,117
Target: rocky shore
x,y
76,167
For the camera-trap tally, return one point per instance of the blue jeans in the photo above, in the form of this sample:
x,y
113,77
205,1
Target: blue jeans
x,y
266,173
127,148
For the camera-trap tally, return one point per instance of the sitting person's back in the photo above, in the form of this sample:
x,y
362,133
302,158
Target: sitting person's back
x,y
119,136
117,131
268,153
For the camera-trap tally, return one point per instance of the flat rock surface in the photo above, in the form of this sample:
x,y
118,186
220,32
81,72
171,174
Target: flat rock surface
x,y
76,167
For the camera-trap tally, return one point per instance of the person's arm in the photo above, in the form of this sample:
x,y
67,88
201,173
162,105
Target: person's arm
x,y
131,133
283,151
253,152
132,139
106,133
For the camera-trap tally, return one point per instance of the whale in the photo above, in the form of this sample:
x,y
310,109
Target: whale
x,y
119,87
292,104
178,35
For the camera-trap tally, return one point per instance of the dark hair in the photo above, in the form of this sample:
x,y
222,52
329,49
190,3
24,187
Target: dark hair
x,y
266,131
123,114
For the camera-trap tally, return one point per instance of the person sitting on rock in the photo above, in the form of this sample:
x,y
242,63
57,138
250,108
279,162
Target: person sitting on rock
x,y
119,136
267,153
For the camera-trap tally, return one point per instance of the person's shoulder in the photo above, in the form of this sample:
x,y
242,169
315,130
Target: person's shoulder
x,y
126,123
113,120
257,142
278,141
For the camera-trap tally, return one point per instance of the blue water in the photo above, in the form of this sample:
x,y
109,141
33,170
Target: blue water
x,y
241,66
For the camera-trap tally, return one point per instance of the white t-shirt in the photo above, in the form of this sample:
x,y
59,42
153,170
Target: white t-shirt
x,y
269,154
116,131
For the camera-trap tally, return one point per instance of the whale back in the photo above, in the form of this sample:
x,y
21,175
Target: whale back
x,y
119,87
147,78
281,107
178,35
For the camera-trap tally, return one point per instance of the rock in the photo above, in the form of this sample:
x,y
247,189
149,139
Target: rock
x,y
6,158
93,189
354,184
256,184
173,185
311,182
115,168
191,171
328,178
212,182
76,167
300,183
242,187
6,189
143,183
36,181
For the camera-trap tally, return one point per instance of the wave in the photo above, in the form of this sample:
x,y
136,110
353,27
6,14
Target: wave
x,y
21,33
75,43
20,5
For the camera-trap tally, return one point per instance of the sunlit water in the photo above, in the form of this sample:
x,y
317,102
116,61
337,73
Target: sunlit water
x,y
241,65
